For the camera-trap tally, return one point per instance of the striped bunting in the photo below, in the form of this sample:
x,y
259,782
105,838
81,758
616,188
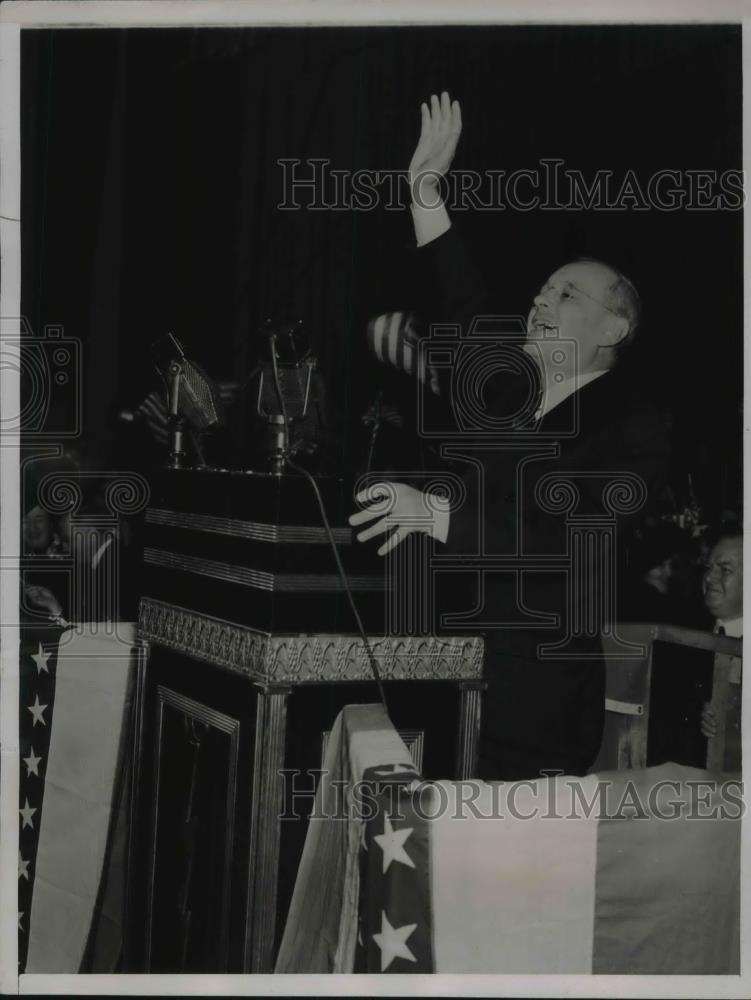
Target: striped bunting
x,y
631,872
68,911
394,338
38,671
526,887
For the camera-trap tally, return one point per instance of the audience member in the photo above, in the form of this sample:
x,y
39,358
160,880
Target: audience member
x,y
723,598
683,713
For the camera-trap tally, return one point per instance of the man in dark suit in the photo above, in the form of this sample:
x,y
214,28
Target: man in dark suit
x,y
690,702
723,598
560,435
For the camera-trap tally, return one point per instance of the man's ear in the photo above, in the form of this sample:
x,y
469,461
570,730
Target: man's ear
x,y
616,329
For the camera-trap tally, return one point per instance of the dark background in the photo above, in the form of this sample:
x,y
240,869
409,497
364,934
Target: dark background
x,y
150,186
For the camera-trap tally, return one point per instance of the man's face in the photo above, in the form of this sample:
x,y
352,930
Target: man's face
x,y
723,580
37,529
573,304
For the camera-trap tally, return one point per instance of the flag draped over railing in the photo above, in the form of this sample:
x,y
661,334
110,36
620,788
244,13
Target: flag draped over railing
x,y
76,689
321,932
630,872
37,674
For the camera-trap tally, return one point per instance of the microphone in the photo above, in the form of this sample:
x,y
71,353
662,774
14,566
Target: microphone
x,y
286,388
192,392
295,366
193,399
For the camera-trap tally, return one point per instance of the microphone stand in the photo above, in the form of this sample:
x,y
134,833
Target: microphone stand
x,y
279,421
375,430
176,458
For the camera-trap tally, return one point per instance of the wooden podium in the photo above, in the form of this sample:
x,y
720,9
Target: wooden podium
x,y
233,712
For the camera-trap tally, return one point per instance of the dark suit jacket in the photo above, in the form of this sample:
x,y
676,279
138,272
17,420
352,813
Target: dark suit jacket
x,y
538,712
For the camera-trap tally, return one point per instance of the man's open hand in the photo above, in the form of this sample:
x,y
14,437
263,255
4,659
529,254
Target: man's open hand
x,y
398,508
42,597
441,128
709,721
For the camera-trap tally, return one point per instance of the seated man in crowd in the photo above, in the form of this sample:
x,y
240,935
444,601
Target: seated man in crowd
x,y
722,584
723,598
686,704
43,596
80,566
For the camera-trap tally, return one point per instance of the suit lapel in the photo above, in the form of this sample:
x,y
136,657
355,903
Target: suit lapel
x,y
585,410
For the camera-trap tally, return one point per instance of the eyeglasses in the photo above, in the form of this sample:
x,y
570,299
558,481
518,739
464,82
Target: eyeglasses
x,y
569,286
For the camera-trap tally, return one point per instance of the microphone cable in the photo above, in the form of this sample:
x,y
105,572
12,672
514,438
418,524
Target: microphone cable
x,y
332,541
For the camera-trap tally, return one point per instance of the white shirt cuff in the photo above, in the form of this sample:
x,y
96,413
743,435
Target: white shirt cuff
x,y
430,223
441,517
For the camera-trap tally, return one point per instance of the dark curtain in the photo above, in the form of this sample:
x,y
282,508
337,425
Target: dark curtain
x,y
151,186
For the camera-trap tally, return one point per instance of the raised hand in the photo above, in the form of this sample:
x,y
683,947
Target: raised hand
x,y
439,135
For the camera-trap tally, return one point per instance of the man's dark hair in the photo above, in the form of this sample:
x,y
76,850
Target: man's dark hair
x,y
727,531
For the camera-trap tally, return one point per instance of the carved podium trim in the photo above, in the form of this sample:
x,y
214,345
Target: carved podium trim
x,y
303,659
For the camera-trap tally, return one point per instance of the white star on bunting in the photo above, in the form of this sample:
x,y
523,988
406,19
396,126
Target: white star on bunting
x,y
27,812
40,658
392,842
32,764
393,942
23,867
37,711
